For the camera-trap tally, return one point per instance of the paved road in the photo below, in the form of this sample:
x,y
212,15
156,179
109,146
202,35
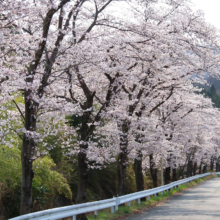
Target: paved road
x,y
199,203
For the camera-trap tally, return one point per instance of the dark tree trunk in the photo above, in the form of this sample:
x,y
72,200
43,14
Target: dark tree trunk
x,y
85,132
121,167
204,170
194,168
82,182
189,169
200,168
123,156
139,174
26,183
83,176
167,175
153,171
217,167
212,164
4,214
27,153
181,171
82,166
174,175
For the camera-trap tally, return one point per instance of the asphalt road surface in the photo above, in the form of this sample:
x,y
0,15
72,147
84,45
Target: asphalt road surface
x,y
201,202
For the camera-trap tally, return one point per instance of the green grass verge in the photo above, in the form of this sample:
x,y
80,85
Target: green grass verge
x,y
124,211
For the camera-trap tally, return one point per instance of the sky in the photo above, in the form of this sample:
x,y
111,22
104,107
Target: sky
x,y
211,10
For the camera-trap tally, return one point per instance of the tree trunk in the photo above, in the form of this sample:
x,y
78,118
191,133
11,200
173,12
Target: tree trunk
x,y
194,168
122,160
82,182
83,176
4,214
153,171
189,169
217,167
167,175
212,164
139,173
181,171
204,170
200,168
82,155
26,180
174,174
27,153
123,156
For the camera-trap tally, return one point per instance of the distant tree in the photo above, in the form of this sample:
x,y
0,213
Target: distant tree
x,y
212,94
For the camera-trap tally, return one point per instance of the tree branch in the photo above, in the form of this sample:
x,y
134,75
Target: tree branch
x,y
159,104
16,133
4,79
94,21
22,115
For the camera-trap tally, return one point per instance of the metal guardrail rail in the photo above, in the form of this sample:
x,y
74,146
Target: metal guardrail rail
x,y
73,210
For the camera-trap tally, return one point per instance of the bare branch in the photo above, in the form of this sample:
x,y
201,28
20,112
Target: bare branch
x,y
99,100
161,103
94,21
16,133
83,84
191,110
22,115
123,87
109,77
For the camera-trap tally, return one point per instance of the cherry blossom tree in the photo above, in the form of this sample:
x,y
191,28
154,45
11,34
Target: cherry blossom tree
x,y
34,35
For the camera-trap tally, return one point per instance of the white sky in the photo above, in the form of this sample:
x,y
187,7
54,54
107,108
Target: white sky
x,y
211,8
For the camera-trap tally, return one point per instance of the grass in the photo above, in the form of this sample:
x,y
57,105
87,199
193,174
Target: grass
x,y
124,211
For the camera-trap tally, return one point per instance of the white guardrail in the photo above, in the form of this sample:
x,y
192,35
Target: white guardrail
x,y
73,210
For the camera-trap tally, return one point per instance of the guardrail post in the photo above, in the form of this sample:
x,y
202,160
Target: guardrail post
x,y
139,201
96,213
128,203
161,193
148,198
117,204
155,195
74,217
112,210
